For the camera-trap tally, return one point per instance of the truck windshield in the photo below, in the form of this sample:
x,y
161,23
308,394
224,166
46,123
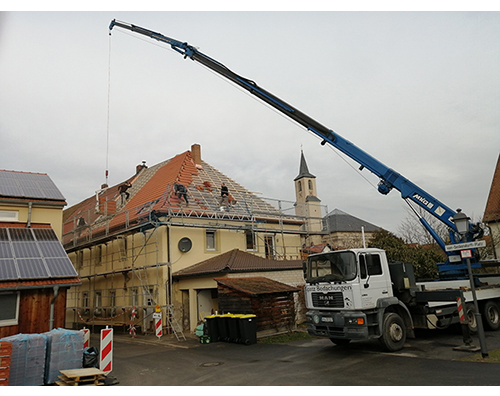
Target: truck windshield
x,y
334,266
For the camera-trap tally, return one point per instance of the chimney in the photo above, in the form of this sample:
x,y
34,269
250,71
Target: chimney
x,y
196,153
140,167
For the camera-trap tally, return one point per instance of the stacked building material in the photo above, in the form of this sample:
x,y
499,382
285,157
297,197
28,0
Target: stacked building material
x,y
5,357
64,352
27,364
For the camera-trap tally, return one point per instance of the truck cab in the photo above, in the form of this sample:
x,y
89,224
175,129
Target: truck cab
x,y
349,295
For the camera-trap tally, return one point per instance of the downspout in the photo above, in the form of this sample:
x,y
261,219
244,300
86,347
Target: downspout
x,y
52,303
30,206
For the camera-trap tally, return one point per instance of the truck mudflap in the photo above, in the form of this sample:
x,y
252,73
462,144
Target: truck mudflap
x,y
338,325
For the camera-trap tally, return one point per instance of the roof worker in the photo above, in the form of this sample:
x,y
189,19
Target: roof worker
x,y
181,192
224,197
123,192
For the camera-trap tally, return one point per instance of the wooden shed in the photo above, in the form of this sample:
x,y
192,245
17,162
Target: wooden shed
x,y
271,301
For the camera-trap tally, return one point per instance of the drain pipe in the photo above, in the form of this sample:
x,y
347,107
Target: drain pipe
x,y
30,206
52,303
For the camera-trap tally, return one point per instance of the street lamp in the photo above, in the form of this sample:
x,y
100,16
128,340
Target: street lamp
x,y
462,223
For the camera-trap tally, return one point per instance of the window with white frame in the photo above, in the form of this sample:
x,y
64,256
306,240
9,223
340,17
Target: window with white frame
x,y
250,239
9,309
210,239
9,215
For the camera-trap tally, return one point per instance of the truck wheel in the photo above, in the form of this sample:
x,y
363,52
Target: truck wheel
x,y
470,312
491,315
393,335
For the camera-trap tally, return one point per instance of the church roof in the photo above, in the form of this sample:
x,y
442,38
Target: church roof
x,y
303,169
339,221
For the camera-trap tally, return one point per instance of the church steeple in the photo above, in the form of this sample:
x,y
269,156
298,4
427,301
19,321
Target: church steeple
x,y
303,169
307,204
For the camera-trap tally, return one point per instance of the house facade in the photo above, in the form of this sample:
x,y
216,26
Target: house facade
x,y
35,271
128,240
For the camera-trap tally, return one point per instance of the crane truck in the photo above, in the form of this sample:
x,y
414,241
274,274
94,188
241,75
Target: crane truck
x,y
357,294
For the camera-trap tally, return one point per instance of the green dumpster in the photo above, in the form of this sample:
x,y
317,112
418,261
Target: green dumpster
x,y
248,329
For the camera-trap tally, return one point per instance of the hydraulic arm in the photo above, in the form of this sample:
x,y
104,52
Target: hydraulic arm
x,y
389,178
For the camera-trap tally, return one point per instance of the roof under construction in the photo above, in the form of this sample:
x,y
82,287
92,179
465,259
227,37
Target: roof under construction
x,y
152,194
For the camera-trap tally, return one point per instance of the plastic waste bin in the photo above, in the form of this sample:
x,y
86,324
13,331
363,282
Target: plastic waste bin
x,y
248,329
212,323
233,328
224,327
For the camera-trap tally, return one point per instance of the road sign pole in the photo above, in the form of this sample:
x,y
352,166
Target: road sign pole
x,y
477,314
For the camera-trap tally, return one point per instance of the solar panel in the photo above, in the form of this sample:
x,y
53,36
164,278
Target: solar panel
x,y
32,253
28,185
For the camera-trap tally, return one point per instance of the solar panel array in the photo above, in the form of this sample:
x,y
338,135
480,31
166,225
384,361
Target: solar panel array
x,y
28,185
33,253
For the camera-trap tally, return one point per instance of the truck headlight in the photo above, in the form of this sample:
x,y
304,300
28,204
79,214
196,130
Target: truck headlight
x,y
355,321
316,319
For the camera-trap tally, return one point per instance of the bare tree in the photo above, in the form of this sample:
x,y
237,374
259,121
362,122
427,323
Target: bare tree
x,y
413,231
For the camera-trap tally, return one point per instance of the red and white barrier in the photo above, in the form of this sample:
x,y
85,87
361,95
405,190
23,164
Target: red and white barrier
x,y
461,313
106,350
86,338
158,327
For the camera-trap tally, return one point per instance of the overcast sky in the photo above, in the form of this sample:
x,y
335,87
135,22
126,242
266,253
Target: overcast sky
x,y
419,91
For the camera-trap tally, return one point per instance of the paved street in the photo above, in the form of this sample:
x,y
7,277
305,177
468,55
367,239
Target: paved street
x,y
427,360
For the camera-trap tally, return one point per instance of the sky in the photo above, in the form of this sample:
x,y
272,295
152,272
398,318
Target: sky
x,y
419,91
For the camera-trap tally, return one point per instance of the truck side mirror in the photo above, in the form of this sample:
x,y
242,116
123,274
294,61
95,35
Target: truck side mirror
x,y
304,269
367,263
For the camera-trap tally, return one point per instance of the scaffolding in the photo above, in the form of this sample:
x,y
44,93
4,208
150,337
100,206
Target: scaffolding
x,y
115,249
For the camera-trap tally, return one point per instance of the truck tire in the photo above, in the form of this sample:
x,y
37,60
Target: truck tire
x,y
393,336
491,315
470,313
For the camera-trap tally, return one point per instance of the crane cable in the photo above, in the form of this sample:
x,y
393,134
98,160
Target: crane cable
x,y
109,100
334,150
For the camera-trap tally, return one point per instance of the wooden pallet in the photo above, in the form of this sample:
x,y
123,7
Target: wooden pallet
x,y
81,377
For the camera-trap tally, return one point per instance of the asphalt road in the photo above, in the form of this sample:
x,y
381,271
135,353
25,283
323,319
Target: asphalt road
x,y
428,360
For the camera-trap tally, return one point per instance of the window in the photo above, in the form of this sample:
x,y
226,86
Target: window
x,y
134,296
112,298
9,309
123,248
269,246
97,255
250,238
300,186
9,215
98,299
79,259
210,239
372,263
85,299
310,184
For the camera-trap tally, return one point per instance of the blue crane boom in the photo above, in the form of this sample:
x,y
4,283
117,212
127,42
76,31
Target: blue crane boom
x,y
389,178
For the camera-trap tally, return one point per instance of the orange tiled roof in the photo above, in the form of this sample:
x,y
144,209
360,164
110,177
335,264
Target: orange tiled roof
x,y
492,211
153,191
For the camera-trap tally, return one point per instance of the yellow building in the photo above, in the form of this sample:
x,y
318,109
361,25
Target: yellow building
x,y
31,198
126,241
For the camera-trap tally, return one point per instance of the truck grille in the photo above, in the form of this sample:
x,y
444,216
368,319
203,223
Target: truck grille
x,y
328,300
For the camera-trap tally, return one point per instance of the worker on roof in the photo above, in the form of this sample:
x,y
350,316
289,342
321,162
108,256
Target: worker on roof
x,y
224,197
123,191
181,192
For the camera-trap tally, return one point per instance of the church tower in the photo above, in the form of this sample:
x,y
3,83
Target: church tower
x,y
307,204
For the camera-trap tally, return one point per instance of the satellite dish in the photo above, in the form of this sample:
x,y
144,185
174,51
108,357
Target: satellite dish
x,y
185,245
